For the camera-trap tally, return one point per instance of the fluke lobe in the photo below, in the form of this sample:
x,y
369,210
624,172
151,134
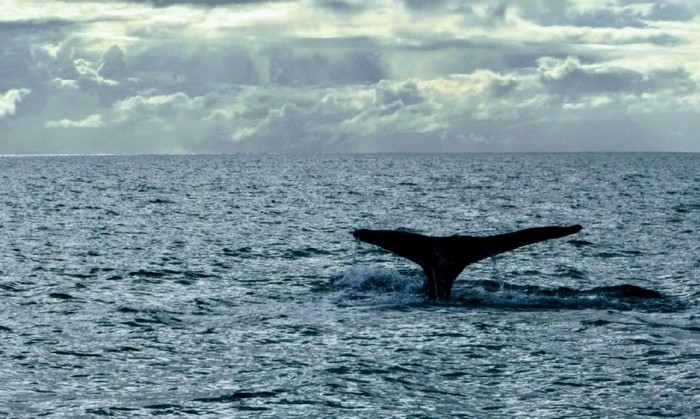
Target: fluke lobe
x,y
444,258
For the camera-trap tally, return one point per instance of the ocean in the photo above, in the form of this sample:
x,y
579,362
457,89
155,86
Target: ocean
x,y
231,286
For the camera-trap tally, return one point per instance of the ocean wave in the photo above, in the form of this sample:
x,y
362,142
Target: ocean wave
x,y
364,278
503,295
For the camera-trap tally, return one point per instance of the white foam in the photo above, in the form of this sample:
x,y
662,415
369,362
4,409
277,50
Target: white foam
x,y
365,278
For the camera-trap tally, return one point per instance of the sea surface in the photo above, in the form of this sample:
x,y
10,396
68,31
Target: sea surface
x,y
231,286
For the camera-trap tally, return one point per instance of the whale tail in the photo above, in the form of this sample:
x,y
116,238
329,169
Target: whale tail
x,y
444,258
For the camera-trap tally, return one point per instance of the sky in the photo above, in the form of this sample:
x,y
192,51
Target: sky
x,y
345,76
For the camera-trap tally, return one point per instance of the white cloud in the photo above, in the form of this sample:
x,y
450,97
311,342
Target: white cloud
x,y
9,100
92,121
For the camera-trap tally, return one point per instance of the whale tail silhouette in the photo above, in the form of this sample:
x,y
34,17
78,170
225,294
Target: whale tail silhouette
x,y
444,258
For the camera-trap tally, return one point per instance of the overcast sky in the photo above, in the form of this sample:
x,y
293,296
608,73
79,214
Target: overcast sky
x,y
172,76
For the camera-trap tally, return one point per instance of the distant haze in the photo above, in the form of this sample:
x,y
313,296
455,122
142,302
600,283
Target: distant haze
x,y
171,76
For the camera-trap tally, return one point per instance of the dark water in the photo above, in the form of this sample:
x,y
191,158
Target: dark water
x,y
230,286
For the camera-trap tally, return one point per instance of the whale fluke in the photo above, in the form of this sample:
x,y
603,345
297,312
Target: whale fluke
x,y
444,258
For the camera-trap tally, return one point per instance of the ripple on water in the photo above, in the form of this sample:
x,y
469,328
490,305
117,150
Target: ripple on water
x,y
230,286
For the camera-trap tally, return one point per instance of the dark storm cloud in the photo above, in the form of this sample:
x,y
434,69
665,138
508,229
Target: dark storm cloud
x,y
20,60
202,3
629,13
631,17
198,67
406,93
299,67
609,19
343,6
27,26
426,4
201,67
493,13
580,82
670,10
564,13
112,65
17,68
572,78
441,6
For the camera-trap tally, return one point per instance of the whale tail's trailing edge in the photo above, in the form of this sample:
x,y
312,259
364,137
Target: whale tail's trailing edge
x,y
444,258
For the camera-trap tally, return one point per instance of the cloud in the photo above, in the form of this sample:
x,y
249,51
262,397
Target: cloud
x,y
111,65
570,77
10,99
343,6
619,14
206,3
323,66
346,75
92,121
387,115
